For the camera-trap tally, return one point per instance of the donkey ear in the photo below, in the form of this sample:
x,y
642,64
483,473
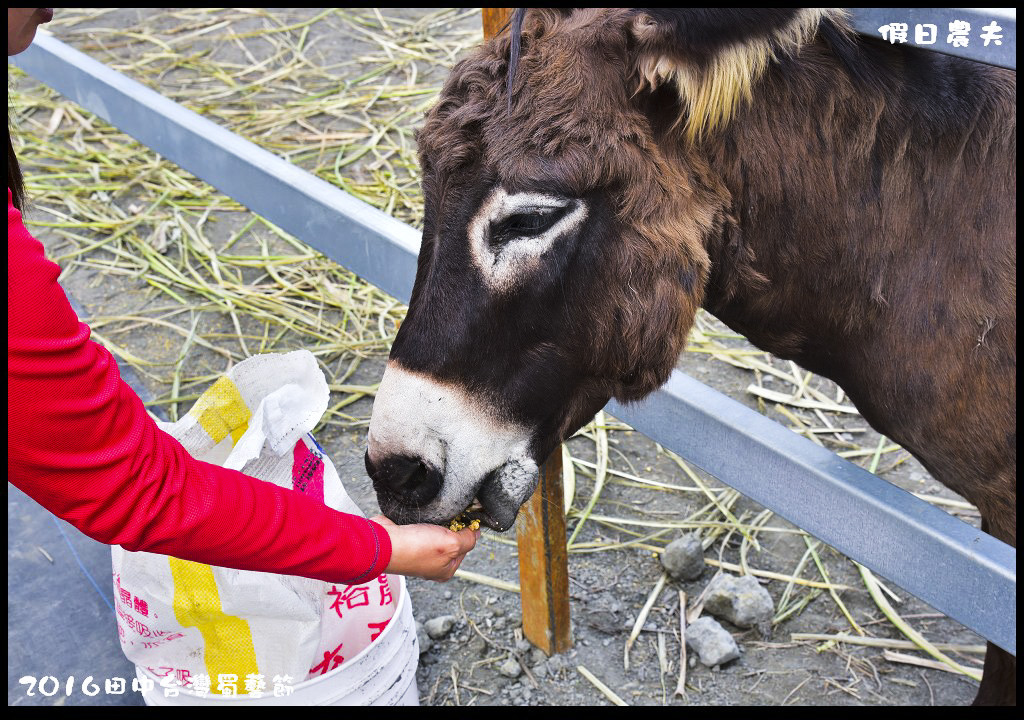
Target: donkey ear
x,y
713,56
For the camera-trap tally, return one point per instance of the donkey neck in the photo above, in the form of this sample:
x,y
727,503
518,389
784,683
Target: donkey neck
x,y
845,195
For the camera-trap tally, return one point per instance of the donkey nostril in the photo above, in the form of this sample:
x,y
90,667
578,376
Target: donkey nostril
x,y
409,475
409,478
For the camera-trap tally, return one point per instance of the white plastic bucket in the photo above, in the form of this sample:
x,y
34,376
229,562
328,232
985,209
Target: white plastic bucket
x,y
384,673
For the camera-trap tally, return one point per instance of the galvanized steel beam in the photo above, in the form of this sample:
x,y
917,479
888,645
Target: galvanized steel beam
x,y
957,569
365,240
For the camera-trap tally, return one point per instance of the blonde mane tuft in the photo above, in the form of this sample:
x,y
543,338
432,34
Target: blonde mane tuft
x,y
712,96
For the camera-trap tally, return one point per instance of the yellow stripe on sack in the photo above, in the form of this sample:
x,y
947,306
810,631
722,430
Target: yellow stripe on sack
x,y
227,639
221,411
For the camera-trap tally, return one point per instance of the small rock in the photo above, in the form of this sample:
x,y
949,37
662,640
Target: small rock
x,y
478,645
510,668
424,639
556,663
440,626
536,657
603,621
683,559
712,643
523,645
740,600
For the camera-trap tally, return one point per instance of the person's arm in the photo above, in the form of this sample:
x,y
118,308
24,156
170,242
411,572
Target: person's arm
x,y
81,444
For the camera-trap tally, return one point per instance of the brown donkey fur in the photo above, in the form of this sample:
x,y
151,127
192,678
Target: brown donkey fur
x,y
844,203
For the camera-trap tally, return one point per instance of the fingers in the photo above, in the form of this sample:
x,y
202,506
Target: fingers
x,y
453,566
467,539
429,551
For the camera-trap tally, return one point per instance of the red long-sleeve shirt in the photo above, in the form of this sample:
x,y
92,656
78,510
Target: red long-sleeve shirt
x,y
79,442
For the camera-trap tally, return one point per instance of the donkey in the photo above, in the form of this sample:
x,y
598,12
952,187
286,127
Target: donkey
x,y
594,176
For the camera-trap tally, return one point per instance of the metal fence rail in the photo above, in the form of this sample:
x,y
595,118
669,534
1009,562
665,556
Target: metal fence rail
x,y
952,566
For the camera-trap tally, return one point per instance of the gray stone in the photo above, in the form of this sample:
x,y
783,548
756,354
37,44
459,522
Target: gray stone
x,y
535,657
424,639
510,668
683,559
741,601
440,626
603,621
478,646
556,663
712,642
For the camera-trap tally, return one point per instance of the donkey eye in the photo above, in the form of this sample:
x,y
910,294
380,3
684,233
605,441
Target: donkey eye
x,y
525,224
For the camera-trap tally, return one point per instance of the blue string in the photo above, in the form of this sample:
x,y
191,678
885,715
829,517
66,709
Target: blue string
x,y
80,565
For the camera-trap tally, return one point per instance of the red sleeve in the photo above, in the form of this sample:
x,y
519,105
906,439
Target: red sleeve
x,y
80,443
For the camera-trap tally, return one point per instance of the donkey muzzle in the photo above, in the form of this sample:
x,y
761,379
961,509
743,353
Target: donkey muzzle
x,y
433,447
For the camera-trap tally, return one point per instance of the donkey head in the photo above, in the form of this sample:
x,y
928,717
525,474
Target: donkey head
x,y
563,255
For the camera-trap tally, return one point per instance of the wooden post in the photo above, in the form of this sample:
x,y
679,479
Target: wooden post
x,y
544,562
494,20
540,527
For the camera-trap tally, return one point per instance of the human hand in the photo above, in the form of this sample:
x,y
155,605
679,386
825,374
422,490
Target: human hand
x,y
427,551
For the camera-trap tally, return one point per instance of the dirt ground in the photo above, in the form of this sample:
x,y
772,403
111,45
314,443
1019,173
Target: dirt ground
x,y
608,587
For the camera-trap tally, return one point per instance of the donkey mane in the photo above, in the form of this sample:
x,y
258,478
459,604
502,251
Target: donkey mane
x,y
712,81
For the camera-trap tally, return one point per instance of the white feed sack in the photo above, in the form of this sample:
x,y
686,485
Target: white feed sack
x,y
226,631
